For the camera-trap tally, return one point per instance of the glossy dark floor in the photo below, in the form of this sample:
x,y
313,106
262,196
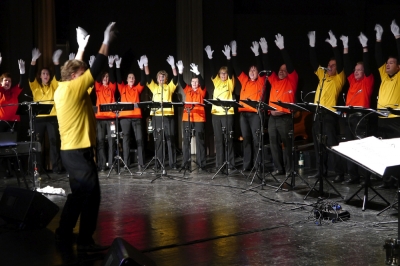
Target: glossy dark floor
x,y
192,219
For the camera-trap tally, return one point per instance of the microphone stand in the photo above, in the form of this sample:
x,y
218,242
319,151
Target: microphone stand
x,y
321,142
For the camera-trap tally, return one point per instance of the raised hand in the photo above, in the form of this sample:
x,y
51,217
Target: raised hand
x,y
82,38
118,61
255,47
345,41
363,39
21,65
194,68
109,33
394,28
144,60
111,59
56,56
264,45
179,64
35,54
279,41
311,38
233,47
332,39
71,56
171,61
227,51
209,51
91,60
379,30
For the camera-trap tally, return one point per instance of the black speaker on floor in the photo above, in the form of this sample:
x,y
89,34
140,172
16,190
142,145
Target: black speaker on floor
x,y
27,209
122,253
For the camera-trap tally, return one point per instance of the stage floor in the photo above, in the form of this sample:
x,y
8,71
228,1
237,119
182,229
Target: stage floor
x,y
192,219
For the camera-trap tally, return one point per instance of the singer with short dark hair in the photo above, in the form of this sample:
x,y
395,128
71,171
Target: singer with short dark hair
x,y
361,82
250,121
132,119
283,88
333,79
164,89
224,84
389,91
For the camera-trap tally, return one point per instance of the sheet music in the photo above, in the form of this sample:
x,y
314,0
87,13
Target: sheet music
x,y
374,153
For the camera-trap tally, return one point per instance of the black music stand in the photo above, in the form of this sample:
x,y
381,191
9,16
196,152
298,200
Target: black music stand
x,y
260,168
116,108
320,110
293,108
33,109
226,105
187,166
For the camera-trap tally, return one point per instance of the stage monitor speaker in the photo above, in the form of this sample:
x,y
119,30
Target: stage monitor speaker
x,y
122,253
28,209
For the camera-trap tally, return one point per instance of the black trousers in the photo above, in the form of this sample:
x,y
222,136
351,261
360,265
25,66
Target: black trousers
x,y
278,131
50,125
84,200
169,134
220,121
127,124
200,142
250,126
329,129
103,129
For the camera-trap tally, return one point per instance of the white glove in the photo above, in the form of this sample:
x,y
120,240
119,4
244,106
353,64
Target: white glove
x,y
71,56
91,60
345,40
254,48
233,47
21,65
379,31
118,61
56,56
394,28
332,39
140,62
1,58
144,60
363,39
279,41
111,61
227,51
82,38
311,38
264,45
179,64
109,33
194,68
171,61
209,51
35,54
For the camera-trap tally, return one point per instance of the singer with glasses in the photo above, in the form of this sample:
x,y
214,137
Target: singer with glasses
x,y
361,82
333,79
252,88
131,119
164,89
283,88
43,89
224,84
105,87
389,90
194,92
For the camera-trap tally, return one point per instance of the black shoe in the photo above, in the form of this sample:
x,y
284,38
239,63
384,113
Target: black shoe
x,y
338,179
173,167
91,248
278,172
353,180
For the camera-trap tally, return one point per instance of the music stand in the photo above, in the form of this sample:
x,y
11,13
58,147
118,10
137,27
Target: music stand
x,y
116,108
226,105
188,164
293,108
320,110
33,109
261,107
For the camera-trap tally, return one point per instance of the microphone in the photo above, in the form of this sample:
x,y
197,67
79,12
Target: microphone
x,y
325,68
221,93
28,96
267,72
352,97
306,95
289,91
